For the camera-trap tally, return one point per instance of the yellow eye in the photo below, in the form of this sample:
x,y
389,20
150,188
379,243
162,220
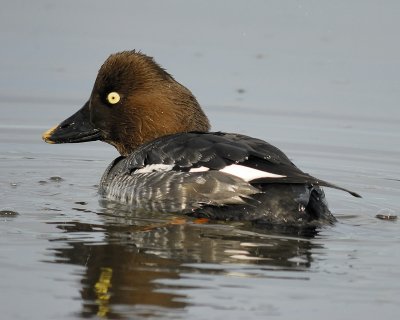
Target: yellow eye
x,y
113,97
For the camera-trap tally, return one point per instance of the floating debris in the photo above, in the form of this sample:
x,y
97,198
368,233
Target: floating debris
x,y
56,179
386,214
83,203
5,213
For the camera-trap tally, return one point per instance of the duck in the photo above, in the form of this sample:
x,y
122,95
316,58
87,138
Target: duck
x,y
170,161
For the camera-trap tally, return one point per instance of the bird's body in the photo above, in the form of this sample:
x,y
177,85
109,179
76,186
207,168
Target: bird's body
x,y
170,162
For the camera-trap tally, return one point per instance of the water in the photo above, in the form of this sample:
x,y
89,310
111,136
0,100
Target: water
x,y
323,87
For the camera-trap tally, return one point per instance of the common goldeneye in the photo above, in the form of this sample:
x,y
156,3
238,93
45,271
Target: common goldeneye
x,y
170,162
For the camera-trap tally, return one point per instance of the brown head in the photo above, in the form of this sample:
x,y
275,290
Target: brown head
x,y
133,102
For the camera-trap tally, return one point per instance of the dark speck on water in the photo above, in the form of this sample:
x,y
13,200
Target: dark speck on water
x,y
5,213
386,214
83,203
56,179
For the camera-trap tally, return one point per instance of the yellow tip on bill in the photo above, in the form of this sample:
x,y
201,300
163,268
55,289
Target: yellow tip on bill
x,y
46,136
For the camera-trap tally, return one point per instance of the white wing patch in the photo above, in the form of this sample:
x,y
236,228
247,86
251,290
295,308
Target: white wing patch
x,y
155,167
243,172
248,174
199,169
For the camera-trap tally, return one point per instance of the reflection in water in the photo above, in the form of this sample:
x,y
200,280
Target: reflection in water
x,y
118,274
128,258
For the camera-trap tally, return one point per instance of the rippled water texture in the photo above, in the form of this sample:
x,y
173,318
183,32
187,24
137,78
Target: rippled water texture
x,y
319,80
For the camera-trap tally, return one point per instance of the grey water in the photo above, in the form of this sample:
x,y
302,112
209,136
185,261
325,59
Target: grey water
x,y
320,80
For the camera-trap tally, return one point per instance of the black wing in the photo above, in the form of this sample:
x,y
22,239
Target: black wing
x,y
217,150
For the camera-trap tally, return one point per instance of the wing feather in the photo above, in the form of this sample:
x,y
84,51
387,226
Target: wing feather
x,y
218,150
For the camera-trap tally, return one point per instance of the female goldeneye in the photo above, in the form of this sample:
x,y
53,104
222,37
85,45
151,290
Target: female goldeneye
x,y
170,162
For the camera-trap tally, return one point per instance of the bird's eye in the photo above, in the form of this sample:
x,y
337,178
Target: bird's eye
x,y
113,97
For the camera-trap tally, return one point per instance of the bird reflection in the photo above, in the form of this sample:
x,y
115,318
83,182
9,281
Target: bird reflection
x,y
125,256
